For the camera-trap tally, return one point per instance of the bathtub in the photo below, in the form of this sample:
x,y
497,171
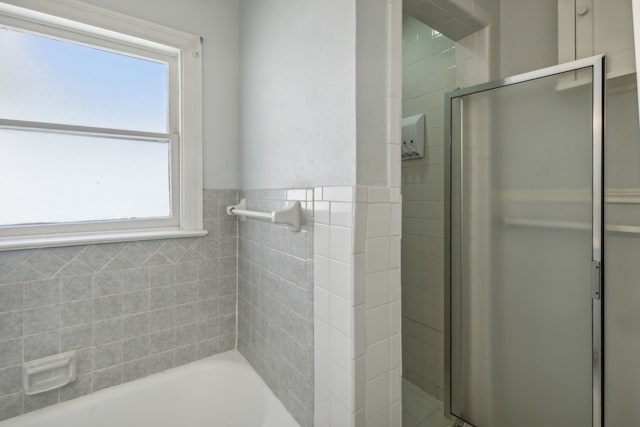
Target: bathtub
x,y
222,390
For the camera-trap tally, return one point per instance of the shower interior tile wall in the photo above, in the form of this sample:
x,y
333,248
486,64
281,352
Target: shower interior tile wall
x,y
129,309
432,65
275,300
429,71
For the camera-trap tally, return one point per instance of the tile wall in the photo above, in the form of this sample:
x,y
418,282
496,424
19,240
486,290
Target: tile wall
x,y
474,59
357,306
432,66
275,299
128,309
429,70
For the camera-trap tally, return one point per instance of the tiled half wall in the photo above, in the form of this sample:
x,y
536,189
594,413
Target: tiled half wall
x,y
275,299
318,311
357,306
129,309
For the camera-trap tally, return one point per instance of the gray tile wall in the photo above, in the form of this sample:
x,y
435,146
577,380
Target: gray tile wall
x,y
129,309
275,300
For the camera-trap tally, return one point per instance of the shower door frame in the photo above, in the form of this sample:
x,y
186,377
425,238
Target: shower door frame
x,y
597,65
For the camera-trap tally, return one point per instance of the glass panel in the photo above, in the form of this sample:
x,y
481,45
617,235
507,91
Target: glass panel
x,y
56,178
48,80
522,209
622,252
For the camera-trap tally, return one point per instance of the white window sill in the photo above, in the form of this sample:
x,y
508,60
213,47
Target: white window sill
x,y
56,240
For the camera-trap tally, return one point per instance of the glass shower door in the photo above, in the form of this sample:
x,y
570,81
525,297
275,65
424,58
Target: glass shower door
x,y
524,255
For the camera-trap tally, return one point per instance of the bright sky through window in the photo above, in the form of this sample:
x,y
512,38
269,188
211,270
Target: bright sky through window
x,y
53,177
48,80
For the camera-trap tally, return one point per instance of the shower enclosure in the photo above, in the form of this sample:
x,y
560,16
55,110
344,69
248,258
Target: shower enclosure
x,y
524,249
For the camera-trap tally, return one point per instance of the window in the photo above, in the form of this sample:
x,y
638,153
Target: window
x,y
100,130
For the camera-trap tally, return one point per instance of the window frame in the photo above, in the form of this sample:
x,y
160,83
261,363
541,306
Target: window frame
x,y
94,26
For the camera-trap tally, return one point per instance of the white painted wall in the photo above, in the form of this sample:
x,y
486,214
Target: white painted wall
x,y
528,35
217,22
371,91
298,93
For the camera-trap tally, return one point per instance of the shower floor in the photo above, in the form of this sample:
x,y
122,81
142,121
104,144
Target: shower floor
x,y
420,409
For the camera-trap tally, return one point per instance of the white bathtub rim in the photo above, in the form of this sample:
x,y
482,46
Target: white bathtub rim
x,y
233,357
